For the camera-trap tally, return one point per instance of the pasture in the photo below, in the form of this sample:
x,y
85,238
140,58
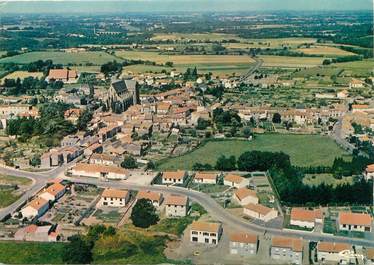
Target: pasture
x,y
81,58
304,150
290,62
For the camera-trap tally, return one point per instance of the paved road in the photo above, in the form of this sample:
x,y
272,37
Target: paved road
x,y
214,209
39,179
220,214
253,69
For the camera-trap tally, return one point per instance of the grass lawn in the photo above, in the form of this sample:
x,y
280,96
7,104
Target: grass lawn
x,y
7,197
304,150
328,179
30,253
12,180
96,58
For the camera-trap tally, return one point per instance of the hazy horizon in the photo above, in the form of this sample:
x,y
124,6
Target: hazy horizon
x,y
123,6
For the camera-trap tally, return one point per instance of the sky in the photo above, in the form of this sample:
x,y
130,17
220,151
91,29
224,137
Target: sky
x,y
123,6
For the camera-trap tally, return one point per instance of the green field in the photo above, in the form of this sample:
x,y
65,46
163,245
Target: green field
x,y
290,62
358,68
5,179
30,253
8,194
304,150
96,58
218,64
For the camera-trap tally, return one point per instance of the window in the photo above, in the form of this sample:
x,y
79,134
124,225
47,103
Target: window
x,y
206,240
194,233
194,239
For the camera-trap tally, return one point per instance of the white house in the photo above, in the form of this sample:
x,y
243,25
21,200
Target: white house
x,y
286,249
53,192
114,198
176,206
174,177
359,222
243,244
244,196
235,181
154,197
205,178
205,232
329,252
99,171
305,218
35,208
102,159
258,211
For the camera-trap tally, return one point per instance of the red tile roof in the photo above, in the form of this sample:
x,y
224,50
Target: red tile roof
x,y
349,218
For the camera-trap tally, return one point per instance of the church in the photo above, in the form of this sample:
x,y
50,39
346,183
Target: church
x,y
122,94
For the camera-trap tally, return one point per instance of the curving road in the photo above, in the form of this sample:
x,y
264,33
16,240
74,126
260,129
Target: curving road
x,y
214,209
39,179
220,214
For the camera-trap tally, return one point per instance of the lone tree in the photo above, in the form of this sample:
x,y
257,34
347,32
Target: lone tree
x,y
129,162
144,214
277,118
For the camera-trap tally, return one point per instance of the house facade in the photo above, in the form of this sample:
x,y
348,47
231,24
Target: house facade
x,y
205,232
99,171
289,250
330,252
53,192
176,206
305,218
243,244
244,196
358,222
35,208
235,181
205,178
174,177
114,198
260,212
154,197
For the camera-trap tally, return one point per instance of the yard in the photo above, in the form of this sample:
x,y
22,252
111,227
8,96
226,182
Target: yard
x,y
30,253
304,150
96,58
